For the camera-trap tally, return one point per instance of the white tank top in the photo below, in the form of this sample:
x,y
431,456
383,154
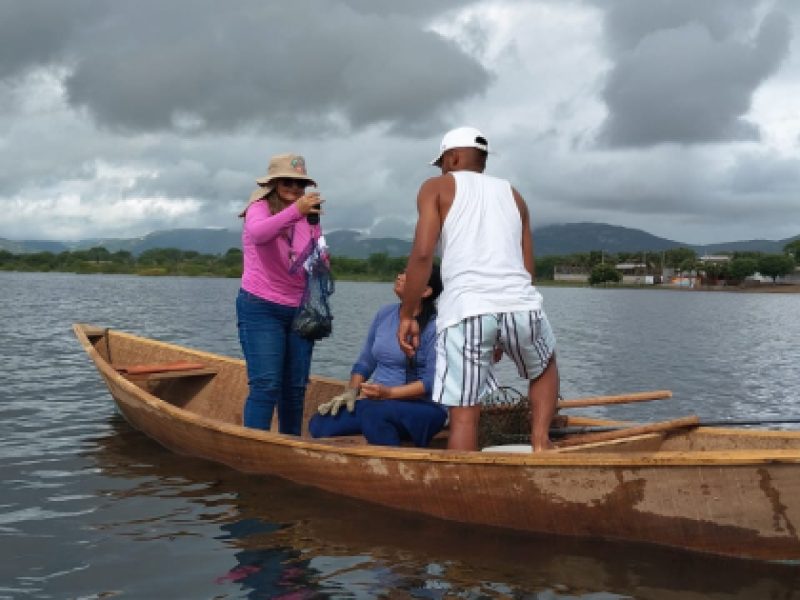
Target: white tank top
x,y
483,271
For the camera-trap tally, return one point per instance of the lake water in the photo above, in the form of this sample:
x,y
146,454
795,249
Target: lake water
x,y
90,508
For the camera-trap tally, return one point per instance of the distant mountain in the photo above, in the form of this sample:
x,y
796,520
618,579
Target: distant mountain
x,y
210,241
573,238
767,246
354,245
568,238
30,246
205,241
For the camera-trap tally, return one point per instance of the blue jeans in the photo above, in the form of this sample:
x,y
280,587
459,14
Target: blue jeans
x,y
343,423
389,422
278,362
384,422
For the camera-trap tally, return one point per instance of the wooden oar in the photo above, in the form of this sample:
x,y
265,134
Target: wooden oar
x,y
619,399
737,422
556,430
682,423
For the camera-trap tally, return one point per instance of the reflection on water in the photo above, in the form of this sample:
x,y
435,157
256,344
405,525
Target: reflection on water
x,y
287,539
90,508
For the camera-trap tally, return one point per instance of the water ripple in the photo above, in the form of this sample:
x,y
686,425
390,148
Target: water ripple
x,y
85,497
37,514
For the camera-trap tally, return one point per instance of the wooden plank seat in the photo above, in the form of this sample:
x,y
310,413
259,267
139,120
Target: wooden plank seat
x,y
168,370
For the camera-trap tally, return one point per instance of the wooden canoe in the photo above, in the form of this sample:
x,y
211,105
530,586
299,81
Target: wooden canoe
x,y
732,492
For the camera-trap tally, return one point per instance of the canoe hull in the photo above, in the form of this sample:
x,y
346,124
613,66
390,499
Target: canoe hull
x,y
723,503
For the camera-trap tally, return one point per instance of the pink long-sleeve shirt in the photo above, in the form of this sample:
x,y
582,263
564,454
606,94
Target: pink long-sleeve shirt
x,y
269,245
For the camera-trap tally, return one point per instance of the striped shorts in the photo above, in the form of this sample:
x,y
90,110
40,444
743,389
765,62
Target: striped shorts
x,y
464,353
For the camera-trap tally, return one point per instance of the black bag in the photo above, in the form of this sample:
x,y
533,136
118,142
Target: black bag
x,y
314,320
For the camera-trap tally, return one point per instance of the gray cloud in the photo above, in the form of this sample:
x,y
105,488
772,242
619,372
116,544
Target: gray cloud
x,y
763,174
628,22
393,227
198,65
125,118
421,9
37,33
685,71
682,193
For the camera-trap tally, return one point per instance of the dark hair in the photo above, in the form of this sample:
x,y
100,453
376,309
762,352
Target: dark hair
x,y
429,303
273,201
424,317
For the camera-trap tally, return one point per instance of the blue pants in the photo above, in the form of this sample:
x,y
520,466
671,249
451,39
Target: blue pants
x,y
384,422
278,362
344,423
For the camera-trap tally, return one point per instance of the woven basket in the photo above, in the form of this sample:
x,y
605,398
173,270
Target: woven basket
x,y
505,418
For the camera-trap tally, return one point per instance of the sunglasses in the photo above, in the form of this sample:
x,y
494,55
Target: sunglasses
x,y
300,183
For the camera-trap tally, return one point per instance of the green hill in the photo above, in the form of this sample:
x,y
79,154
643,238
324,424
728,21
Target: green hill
x,y
564,239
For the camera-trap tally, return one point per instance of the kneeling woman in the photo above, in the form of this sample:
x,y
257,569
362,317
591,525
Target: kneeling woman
x,y
396,406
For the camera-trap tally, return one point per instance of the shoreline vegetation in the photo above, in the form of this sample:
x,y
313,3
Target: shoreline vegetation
x,y
383,268
754,287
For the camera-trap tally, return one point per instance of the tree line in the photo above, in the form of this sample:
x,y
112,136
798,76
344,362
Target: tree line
x,y
382,267
172,261
158,261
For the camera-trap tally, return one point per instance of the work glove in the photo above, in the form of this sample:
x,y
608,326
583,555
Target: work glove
x,y
348,398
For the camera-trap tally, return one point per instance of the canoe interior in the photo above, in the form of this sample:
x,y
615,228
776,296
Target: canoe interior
x,y
218,390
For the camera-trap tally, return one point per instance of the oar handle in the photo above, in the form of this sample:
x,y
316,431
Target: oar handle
x,y
683,422
620,399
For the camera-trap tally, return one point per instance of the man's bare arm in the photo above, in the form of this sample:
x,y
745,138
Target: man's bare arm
x,y
527,237
418,271
426,236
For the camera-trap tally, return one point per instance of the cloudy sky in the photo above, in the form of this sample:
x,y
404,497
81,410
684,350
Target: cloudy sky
x,y
677,117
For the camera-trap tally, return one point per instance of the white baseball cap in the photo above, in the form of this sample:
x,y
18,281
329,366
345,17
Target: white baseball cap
x,y
461,137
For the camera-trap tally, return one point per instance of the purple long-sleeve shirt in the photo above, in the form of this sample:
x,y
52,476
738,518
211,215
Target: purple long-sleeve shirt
x,y
383,361
269,244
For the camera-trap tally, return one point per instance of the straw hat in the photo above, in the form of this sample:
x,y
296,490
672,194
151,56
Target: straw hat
x,y
290,166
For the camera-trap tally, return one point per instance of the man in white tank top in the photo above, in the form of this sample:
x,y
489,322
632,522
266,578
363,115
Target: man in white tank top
x,y
489,298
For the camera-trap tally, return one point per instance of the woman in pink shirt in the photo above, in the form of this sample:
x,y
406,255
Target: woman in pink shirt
x,y
281,222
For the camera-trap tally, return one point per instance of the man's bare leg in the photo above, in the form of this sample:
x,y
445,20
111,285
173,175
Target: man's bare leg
x,y
464,428
543,396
